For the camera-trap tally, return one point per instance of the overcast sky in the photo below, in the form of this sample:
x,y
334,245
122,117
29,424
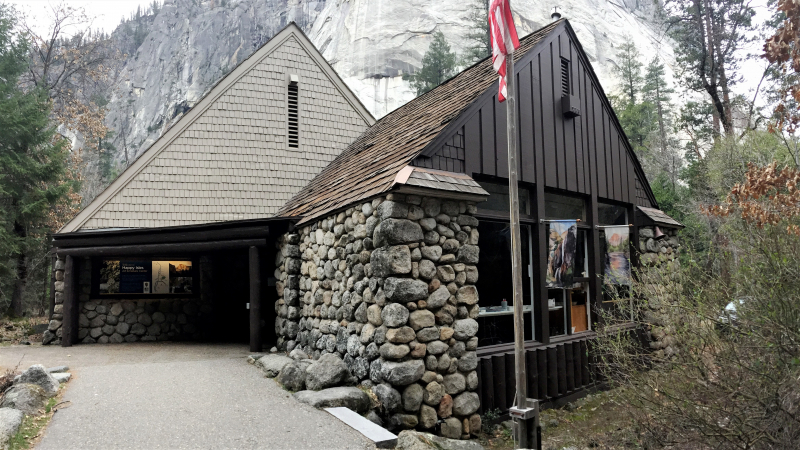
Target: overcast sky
x,y
106,13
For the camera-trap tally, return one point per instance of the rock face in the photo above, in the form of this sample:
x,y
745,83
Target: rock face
x,y
414,440
272,365
27,398
191,45
10,420
38,375
349,397
368,315
328,371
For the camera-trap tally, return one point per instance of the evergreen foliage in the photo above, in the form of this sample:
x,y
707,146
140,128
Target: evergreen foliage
x,y
33,162
479,45
438,66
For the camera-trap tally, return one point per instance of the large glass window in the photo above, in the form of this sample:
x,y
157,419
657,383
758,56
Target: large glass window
x,y
499,200
557,206
496,319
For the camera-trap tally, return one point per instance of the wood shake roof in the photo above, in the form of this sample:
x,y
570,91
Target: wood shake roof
x,y
369,165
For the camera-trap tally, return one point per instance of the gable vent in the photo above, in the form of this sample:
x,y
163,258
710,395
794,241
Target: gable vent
x,y
293,115
564,78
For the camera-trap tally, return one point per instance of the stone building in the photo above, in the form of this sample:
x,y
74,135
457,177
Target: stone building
x,y
278,212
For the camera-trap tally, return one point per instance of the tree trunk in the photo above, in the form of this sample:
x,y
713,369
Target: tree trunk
x,y
17,309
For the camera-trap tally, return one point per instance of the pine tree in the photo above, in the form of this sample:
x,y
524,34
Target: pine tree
x,y
479,46
438,65
657,92
33,161
629,69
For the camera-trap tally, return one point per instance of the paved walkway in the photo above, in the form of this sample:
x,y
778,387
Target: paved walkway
x,y
176,396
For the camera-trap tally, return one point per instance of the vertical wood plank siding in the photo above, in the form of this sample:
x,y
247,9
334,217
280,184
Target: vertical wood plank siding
x,y
553,371
569,144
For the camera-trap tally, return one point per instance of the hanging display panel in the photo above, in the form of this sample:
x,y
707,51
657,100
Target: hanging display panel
x,y
117,276
562,244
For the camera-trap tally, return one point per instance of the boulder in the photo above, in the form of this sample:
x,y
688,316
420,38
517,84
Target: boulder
x,y
421,318
415,440
298,354
402,373
432,252
10,420
468,254
404,290
467,295
328,371
402,335
427,269
428,334
454,383
391,209
466,403
293,375
389,398
451,428
392,351
346,396
438,298
387,261
62,377
427,416
412,397
271,365
57,369
38,375
464,329
396,231
28,398
403,421
394,315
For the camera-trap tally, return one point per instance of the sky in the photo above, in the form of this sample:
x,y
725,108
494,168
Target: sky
x,y
107,13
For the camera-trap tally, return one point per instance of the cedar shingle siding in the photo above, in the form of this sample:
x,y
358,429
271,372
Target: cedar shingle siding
x,y
233,161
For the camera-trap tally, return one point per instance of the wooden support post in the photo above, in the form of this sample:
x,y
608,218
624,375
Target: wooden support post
x,y
255,300
69,324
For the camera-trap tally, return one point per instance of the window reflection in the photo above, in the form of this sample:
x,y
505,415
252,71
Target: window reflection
x,y
496,320
499,200
564,207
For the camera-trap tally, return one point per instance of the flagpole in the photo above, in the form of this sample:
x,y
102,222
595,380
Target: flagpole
x,y
516,252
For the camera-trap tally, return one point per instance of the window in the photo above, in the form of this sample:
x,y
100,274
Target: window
x,y
143,276
565,84
496,319
293,114
564,207
499,198
609,214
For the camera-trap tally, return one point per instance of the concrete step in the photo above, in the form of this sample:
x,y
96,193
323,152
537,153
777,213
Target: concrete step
x,y
382,437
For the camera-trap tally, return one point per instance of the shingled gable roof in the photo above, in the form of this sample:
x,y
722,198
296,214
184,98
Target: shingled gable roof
x,y
369,165
206,102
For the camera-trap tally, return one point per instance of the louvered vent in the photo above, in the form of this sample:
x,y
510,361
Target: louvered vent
x,y
294,118
565,91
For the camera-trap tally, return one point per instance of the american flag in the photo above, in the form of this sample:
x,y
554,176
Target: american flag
x,y
504,39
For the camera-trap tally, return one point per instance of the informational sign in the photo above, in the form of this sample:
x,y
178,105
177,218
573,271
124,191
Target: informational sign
x,y
145,277
132,276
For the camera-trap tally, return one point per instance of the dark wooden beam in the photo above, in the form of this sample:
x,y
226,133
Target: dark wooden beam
x,y
161,249
69,324
255,300
157,236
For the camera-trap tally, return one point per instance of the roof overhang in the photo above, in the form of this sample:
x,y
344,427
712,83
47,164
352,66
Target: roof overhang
x,y
652,216
438,183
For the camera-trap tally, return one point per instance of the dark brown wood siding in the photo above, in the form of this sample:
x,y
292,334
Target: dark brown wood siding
x,y
568,145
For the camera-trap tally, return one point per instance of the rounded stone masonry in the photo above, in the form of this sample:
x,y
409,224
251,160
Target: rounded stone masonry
x,y
388,286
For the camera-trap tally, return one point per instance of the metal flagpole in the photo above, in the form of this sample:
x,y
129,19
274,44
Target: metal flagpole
x,y
522,432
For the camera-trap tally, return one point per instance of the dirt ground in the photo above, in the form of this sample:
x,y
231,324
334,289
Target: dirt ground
x,y
594,422
22,331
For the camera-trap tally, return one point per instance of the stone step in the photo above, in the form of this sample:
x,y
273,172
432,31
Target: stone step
x,y
382,437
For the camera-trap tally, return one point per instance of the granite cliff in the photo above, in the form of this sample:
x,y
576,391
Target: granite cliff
x,y
191,44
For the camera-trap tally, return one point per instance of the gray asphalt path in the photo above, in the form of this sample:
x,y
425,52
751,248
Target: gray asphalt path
x,y
176,396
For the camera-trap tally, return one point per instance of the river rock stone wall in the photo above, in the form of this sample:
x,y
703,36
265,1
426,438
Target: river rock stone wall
x,y
388,285
659,265
130,320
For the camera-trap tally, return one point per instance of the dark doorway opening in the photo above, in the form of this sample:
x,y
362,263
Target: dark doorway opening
x,y
231,294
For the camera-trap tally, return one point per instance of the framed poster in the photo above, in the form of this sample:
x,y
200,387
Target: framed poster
x,y
162,277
